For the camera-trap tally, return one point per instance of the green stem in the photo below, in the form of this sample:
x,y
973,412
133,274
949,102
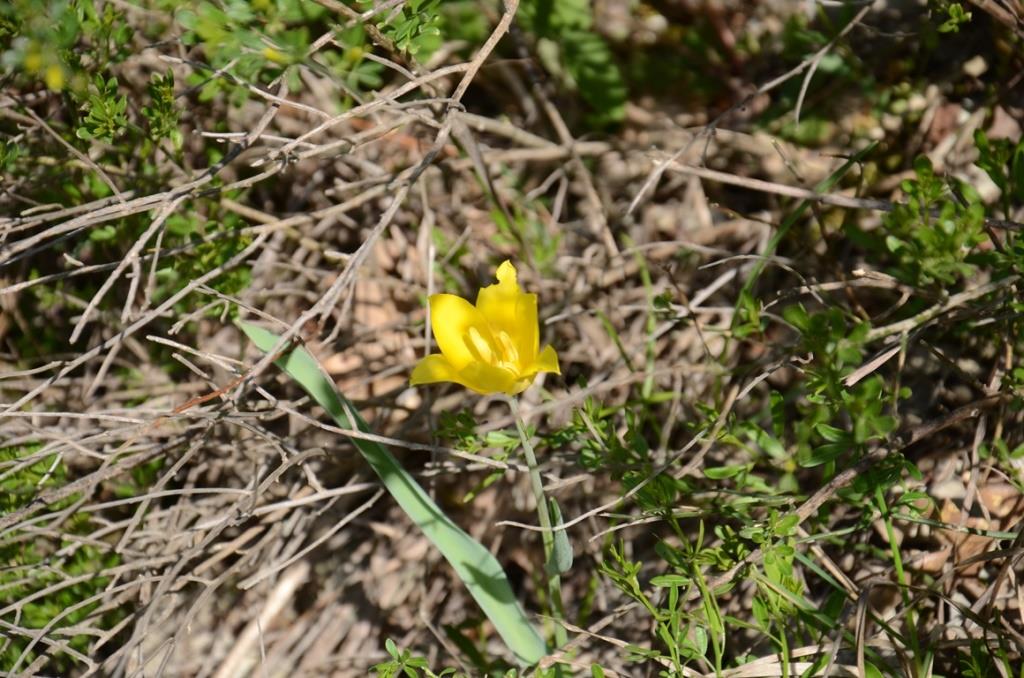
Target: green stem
x,y
554,582
901,579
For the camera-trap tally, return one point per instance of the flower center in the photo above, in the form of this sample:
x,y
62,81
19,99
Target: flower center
x,y
479,347
510,356
500,353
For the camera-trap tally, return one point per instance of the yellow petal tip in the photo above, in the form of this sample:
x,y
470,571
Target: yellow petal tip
x,y
547,361
506,272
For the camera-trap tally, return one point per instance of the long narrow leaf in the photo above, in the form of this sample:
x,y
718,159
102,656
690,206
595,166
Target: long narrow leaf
x,y
476,567
823,187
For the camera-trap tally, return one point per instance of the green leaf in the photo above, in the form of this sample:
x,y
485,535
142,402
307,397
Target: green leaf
x,y
797,316
770,444
1017,172
872,671
590,62
561,554
476,567
666,580
787,525
894,243
831,433
823,454
103,233
585,54
721,472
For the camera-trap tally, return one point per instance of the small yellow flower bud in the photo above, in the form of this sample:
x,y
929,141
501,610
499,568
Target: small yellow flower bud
x,y
54,77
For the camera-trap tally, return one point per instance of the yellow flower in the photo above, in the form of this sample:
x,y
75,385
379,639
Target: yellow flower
x,y
54,77
492,347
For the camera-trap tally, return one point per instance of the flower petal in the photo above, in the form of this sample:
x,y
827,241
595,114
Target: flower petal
x,y
477,376
451,317
432,369
487,379
508,309
520,385
547,361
